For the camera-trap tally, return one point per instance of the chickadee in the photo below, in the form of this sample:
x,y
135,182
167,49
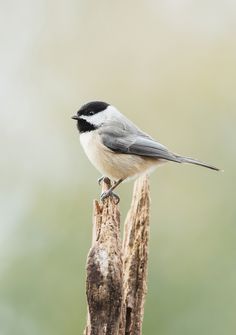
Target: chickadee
x,y
117,147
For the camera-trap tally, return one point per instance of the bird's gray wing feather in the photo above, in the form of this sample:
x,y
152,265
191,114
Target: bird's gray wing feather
x,y
122,136
133,141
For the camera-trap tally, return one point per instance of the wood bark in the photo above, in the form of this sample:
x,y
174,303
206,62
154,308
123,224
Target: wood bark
x,y
116,282
135,258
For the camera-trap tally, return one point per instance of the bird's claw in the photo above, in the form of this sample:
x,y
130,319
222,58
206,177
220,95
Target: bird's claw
x,y
100,180
103,178
109,193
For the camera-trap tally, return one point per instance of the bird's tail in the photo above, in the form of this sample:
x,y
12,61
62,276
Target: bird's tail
x,y
196,162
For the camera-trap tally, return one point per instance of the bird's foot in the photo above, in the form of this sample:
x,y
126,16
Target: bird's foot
x,y
100,180
103,178
109,193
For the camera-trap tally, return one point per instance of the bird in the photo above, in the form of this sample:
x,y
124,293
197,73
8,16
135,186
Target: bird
x,y
118,149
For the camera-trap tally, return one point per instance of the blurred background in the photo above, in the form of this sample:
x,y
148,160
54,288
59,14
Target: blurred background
x,y
169,65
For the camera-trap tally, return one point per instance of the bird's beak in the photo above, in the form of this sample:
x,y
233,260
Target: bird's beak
x,y
75,117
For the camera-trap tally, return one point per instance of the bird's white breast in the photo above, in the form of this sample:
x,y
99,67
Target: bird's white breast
x,y
98,154
89,143
111,164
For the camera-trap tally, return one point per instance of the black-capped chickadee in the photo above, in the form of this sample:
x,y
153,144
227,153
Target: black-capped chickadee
x,y
117,147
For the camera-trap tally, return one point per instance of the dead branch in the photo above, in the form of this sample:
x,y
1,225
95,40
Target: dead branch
x,y
104,270
116,290
135,257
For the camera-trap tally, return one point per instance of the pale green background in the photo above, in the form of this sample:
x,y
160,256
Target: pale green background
x,y
170,66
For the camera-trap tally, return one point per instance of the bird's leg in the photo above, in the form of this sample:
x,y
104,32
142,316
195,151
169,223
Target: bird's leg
x,y
100,180
109,192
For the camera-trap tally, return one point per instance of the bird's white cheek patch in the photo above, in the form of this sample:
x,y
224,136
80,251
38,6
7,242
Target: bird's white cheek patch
x,y
96,119
110,113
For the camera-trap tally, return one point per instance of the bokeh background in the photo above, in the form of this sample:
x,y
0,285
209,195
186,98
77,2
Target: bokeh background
x,y
170,66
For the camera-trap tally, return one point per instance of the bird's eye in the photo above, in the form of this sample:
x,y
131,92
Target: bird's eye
x,y
91,113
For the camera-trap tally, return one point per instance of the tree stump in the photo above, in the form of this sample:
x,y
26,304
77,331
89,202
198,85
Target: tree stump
x,y
116,282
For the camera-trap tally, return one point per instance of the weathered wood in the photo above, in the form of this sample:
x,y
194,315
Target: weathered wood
x,y
116,290
104,283
135,257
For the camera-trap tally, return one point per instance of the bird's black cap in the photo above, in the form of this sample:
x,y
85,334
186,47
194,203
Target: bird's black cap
x,y
88,109
92,108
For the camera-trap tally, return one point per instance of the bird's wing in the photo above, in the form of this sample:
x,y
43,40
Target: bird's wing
x,y
134,142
